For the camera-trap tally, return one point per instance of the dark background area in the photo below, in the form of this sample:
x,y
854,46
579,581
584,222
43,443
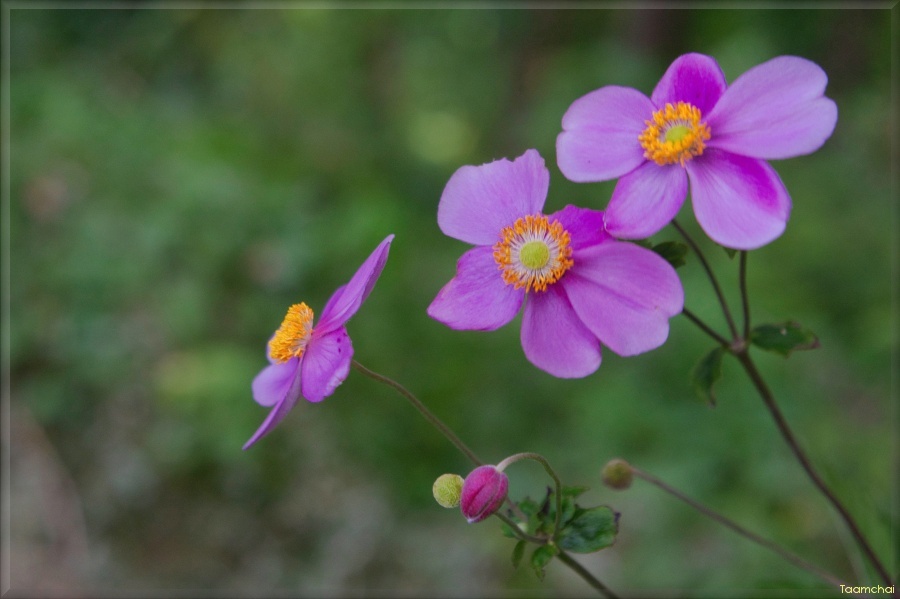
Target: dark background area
x,y
180,176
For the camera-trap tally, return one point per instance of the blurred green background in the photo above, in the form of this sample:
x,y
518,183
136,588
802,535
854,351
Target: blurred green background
x,y
180,176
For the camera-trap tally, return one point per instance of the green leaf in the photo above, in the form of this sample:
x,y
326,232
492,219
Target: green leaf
x,y
542,556
518,552
705,374
573,491
674,252
783,338
590,530
567,512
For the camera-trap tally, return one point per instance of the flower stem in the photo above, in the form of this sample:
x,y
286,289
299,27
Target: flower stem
x,y
787,555
521,534
745,298
743,356
711,275
704,327
587,576
424,411
543,462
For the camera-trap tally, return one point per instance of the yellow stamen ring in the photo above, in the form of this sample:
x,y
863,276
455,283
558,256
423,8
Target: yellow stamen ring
x,y
292,336
533,253
674,134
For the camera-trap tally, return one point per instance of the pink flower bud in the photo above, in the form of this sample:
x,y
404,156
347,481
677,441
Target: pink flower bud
x,y
482,493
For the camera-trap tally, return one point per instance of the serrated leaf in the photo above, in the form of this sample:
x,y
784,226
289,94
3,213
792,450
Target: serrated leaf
x,y
783,338
518,552
590,530
705,374
542,556
674,252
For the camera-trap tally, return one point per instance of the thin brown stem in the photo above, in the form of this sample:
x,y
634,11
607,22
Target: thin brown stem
x,y
521,534
432,419
424,411
745,298
712,277
587,576
549,469
726,522
768,398
704,327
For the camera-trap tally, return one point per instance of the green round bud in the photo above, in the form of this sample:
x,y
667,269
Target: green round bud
x,y
447,489
617,474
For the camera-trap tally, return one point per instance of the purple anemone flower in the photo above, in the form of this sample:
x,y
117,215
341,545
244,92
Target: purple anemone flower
x,y
583,287
311,361
695,128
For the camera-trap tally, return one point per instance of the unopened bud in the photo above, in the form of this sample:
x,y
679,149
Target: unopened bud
x,y
447,489
617,474
483,492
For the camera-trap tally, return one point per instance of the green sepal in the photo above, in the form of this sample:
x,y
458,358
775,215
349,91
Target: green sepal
x,y
590,530
731,252
705,374
673,252
518,552
542,556
783,338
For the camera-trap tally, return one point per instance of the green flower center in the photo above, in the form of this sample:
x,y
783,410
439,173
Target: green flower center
x,y
677,132
534,255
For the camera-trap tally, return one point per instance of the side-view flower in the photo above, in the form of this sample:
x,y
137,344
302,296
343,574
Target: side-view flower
x,y
583,287
695,129
311,361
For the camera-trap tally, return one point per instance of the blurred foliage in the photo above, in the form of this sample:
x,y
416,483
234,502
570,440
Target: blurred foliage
x,y
180,176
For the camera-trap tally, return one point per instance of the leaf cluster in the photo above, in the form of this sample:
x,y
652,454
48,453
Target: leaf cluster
x,y
581,529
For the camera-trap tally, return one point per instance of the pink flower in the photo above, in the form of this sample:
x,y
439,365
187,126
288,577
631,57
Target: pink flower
x,y
311,361
694,128
583,287
483,492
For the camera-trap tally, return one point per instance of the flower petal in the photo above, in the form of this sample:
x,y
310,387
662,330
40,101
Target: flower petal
x,y
479,201
600,134
277,414
326,364
476,298
775,110
625,295
272,383
693,78
584,226
645,200
739,202
553,337
347,299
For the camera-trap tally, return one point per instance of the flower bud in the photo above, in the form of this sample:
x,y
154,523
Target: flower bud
x,y
482,493
617,474
447,489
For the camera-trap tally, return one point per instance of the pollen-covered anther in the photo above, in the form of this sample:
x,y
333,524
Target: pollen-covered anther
x,y
292,336
533,253
674,134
